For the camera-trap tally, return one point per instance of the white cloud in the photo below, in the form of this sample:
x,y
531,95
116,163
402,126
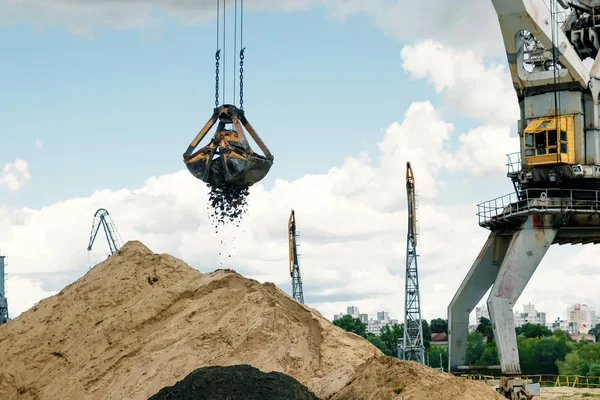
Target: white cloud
x,y
478,91
39,143
462,23
483,150
15,175
23,293
352,222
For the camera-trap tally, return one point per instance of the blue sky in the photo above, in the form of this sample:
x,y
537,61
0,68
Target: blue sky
x,y
122,105
117,103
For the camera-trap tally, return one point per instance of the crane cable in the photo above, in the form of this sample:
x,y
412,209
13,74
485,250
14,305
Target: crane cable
x,y
555,61
218,52
217,58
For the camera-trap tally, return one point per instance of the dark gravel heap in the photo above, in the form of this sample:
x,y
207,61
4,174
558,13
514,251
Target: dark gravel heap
x,y
227,202
239,382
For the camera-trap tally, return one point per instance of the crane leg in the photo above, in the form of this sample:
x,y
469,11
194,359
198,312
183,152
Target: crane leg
x,y
528,246
480,278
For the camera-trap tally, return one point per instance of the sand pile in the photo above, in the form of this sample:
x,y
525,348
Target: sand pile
x,y
240,382
385,378
139,322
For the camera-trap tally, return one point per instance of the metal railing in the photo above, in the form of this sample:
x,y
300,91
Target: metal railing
x,y
538,200
514,163
573,381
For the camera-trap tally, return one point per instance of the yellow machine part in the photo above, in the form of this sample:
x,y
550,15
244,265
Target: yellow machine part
x,y
550,140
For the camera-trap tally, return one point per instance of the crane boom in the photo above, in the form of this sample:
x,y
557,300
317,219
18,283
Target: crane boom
x,y
297,291
413,348
102,218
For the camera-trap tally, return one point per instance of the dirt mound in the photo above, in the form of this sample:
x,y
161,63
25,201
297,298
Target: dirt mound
x,y
240,382
385,378
140,321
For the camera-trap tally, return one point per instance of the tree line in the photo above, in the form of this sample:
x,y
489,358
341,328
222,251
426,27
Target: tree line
x,y
541,351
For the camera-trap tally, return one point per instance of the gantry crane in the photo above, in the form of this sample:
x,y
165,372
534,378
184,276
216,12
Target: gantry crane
x,y
102,218
297,291
556,174
413,327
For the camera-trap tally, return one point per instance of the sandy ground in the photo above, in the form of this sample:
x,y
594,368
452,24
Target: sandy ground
x,y
141,321
560,393
387,378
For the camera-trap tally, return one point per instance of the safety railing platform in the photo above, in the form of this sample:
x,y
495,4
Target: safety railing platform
x,y
512,209
513,163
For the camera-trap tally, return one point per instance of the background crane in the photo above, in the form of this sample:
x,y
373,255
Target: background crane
x,y
297,291
413,328
102,218
3,301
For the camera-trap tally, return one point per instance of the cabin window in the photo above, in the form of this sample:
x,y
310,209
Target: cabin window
x,y
548,141
563,142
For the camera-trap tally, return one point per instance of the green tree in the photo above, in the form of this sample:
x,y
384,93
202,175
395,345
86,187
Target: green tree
x,y
376,341
526,354
390,338
435,352
596,332
426,334
351,324
475,347
485,327
584,360
546,352
490,354
533,330
439,325
570,365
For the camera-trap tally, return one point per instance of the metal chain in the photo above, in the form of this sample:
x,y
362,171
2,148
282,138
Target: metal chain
x,y
242,78
217,58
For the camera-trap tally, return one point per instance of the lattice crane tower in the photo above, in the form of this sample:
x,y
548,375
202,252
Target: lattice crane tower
x,y
3,300
297,291
413,328
556,173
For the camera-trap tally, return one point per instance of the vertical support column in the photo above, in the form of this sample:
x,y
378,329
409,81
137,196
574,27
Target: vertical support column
x,y
527,248
591,128
480,278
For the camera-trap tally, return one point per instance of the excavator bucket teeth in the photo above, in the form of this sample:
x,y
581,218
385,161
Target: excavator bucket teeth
x,y
228,157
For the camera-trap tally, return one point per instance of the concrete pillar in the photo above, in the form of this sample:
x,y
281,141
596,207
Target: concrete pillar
x,y
525,252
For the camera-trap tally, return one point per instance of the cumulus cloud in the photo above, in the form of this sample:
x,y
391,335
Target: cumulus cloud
x,y
14,175
22,293
461,23
476,90
352,222
39,143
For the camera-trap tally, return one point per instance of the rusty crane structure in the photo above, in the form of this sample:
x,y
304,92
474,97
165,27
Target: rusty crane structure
x,y
556,173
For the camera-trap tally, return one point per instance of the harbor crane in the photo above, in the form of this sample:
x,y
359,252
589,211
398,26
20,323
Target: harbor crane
x,y
103,219
556,173
413,348
297,292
